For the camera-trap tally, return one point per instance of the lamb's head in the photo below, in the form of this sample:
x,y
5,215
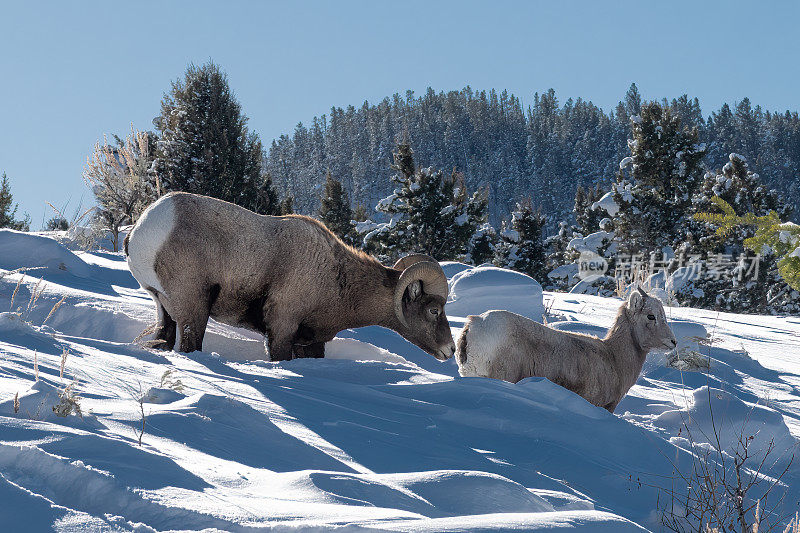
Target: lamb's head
x,y
648,321
419,299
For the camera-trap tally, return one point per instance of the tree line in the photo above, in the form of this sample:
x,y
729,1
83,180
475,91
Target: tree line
x,y
542,151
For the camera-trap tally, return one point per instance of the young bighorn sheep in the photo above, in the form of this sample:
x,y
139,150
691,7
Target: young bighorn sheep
x,y
288,277
507,346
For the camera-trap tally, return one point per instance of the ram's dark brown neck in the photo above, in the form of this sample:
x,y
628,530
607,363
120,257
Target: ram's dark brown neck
x,y
369,290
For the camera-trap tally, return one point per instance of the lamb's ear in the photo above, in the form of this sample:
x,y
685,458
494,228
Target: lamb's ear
x,y
635,301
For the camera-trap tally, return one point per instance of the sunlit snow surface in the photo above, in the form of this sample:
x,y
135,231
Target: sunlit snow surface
x,y
379,436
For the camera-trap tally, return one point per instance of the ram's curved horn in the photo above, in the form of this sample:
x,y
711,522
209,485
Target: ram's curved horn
x,y
411,259
433,280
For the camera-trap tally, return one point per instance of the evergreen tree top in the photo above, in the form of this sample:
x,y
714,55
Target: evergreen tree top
x,y
8,209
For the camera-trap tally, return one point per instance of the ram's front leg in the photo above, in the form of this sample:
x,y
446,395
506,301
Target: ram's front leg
x,y
280,341
314,350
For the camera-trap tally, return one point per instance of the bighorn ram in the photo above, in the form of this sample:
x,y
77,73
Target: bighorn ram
x,y
287,277
504,345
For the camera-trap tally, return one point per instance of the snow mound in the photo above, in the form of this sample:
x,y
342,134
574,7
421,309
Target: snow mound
x,y
354,350
451,268
477,290
12,324
688,333
716,413
24,250
15,330
37,404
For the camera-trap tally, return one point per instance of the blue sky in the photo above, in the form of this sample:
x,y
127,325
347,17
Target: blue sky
x,y
72,71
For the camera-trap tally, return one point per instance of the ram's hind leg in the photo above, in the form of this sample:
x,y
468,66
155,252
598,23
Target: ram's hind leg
x,y
164,338
191,314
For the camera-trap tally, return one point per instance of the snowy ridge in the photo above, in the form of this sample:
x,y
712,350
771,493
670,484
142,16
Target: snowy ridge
x,y
378,436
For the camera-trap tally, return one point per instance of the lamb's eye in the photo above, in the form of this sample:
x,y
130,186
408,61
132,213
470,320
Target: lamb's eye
x,y
651,317
433,311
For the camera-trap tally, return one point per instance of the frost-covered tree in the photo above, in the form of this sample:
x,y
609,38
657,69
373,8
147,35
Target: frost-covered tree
x,y
482,247
744,191
730,280
556,246
57,223
336,212
543,151
122,181
205,146
772,287
522,242
266,199
287,205
429,213
656,183
587,218
8,209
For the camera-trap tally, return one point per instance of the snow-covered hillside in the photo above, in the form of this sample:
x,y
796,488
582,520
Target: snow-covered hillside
x,y
378,436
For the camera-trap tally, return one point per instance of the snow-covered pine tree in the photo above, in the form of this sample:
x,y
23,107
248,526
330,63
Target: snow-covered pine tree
x,y
57,223
205,146
360,213
759,235
663,173
587,219
287,205
482,247
266,199
336,212
521,246
429,213
8,209
557,253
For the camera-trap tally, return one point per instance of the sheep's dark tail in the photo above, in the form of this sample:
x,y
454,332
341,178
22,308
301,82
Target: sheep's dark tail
x,y
125,243
461,345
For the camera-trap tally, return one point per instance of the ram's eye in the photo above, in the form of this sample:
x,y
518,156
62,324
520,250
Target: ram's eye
x,y
651,317
433,311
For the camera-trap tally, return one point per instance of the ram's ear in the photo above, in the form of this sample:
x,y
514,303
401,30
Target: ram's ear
x,y
414,290
635,301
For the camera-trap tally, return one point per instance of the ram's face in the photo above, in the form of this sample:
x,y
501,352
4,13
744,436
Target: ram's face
x,y
427,324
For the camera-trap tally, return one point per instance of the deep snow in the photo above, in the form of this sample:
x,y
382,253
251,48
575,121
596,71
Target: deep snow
x,y
376,436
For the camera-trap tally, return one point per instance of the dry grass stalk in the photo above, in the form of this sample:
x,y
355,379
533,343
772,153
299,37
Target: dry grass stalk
x,y
10,272
151,343
75,218
16,290
37,292
36,365
64,353
54,309
16,403
144,419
